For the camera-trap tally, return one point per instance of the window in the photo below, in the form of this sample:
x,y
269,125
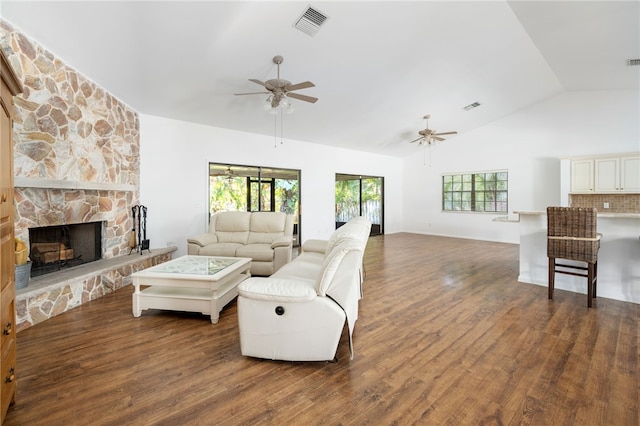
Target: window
x,y
476,192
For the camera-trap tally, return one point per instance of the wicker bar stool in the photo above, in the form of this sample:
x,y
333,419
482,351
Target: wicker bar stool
x,y
571,235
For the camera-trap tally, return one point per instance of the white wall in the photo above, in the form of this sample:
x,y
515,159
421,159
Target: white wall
x,y
174,158
529,144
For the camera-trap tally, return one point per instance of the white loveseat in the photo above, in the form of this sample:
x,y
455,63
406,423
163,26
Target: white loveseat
x,y
298,313
265,237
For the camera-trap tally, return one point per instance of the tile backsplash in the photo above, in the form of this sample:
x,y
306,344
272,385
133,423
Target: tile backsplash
x,y
618,203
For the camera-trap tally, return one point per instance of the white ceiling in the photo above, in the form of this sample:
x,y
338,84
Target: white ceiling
x,y
378,66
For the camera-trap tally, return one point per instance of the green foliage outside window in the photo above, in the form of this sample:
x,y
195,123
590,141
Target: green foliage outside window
x,y
478,192
287,195
227,194
230,194
350,202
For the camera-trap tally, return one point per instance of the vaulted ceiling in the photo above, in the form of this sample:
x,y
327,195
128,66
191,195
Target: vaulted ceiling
x,y
378,66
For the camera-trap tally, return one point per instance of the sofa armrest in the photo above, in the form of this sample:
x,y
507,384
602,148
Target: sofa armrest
x,y
276,290
284,241
203,239
316,246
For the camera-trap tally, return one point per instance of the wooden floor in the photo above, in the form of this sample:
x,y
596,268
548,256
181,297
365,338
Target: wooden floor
x,y
446,335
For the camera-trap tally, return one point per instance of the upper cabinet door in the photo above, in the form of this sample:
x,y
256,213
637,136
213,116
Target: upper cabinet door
x,y
630,173
607,174
582,176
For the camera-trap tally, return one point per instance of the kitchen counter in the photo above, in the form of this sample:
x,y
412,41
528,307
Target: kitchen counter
x,y
600,214
618,257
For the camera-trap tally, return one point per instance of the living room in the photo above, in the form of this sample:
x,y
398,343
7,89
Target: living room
x,y
529,142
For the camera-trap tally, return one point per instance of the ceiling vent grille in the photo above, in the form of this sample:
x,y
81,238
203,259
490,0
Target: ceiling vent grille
x,y
632,62
310,21
471,106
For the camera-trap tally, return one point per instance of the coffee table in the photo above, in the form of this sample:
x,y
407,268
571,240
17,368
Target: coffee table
x,y
190,283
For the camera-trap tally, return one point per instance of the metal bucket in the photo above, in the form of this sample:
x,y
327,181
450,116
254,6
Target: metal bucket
x,y
23,274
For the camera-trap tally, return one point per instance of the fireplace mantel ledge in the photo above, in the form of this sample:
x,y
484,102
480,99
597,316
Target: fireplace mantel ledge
x,y
25,182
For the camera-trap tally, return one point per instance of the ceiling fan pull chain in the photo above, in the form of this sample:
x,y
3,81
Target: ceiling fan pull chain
x,y
429,155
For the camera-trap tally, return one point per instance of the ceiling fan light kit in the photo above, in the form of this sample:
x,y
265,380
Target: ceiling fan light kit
x,y
272,103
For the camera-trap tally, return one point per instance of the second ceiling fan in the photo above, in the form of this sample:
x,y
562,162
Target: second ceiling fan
x,y
427,136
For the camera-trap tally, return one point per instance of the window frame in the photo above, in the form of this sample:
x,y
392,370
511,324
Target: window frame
x,y
475,192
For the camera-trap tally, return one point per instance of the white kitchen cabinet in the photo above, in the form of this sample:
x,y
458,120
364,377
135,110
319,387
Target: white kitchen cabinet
x,y
617,174
606,174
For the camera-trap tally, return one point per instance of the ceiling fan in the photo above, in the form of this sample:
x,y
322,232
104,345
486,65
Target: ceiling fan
x,y
279,89
428,136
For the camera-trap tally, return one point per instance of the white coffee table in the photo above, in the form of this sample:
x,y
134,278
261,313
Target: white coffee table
x,y
190,283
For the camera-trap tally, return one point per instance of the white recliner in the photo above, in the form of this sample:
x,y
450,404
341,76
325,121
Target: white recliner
x,y
298,313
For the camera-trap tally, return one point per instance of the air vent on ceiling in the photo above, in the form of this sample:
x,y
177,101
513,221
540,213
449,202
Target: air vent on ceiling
x,y
310,21
471,106
632,62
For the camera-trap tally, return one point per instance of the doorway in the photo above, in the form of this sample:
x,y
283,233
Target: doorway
x,y
234,187
358,195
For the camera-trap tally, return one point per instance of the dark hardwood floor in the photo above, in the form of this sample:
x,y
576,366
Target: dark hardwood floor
x,y
446,335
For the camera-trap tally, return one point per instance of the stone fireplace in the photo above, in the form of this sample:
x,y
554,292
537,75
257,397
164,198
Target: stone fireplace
x,y
76,162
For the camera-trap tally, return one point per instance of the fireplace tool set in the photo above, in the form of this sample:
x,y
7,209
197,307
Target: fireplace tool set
x,y
140,227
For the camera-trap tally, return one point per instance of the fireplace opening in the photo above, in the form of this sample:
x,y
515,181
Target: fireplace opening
x,y
53,248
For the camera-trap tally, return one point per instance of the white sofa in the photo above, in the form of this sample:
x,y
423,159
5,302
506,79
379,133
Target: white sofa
x,y
298,313
265,237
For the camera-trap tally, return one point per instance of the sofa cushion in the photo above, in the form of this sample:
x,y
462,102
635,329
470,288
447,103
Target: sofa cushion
x,y
233,227
266,227
220,249
273,289
257,252
301,269
332,262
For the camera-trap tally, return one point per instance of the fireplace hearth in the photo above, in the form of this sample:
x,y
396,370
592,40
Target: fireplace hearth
x,y
53,248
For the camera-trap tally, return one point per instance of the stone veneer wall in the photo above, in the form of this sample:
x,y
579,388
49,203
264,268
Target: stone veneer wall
x,y
76,147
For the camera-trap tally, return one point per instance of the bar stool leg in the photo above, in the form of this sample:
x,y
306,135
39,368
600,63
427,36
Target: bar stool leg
x,y
595,279
552,276
590,284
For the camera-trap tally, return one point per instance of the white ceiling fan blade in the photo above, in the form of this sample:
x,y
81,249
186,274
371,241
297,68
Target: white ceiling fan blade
x,y
416,140
252,93
262,83
302,97
446,133
436,138
303,85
